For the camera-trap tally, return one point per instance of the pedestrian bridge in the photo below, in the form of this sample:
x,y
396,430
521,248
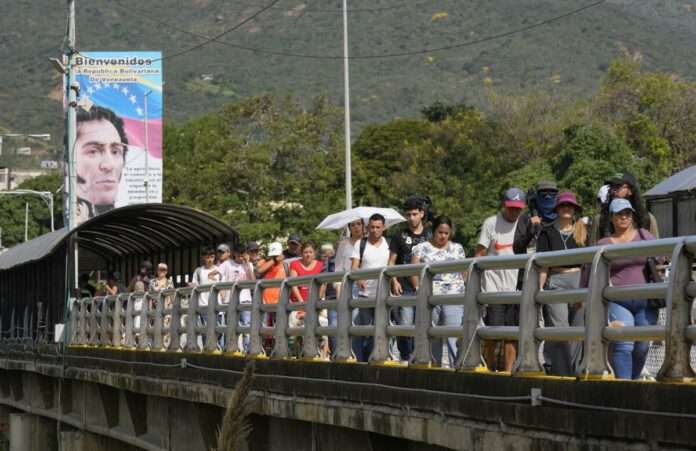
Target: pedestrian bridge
x,y
134,373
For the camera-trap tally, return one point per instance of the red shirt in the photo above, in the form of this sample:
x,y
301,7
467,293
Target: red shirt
x,y
302,271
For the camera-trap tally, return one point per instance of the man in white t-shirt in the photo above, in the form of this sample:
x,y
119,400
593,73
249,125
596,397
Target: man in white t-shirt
x,y
497,237
370,252
236,269
205,274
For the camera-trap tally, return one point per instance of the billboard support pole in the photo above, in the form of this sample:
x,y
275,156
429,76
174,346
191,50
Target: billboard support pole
x,y
71,131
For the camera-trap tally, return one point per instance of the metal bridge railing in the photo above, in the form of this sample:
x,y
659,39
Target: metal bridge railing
x,y
182,320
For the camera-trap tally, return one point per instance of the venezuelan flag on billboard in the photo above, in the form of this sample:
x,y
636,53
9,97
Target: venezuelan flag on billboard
x,y
118,152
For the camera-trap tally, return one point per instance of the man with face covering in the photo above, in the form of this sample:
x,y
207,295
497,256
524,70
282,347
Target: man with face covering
x,y
541,211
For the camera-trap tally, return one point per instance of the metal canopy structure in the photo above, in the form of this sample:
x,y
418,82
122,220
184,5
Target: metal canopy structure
x,y
35,276
673,202
135,229
148,228
681,181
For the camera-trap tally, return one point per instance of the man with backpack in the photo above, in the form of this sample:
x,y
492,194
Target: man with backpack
x,y
370,252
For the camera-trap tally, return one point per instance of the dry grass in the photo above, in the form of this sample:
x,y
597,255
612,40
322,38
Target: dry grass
x,y
235,428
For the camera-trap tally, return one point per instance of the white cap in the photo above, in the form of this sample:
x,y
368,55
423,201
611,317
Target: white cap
x,y
603,194
275,249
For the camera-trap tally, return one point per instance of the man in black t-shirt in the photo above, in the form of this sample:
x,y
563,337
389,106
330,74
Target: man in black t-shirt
x,y
400,248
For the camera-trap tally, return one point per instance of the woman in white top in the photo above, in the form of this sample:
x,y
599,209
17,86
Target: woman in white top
x,y
439,249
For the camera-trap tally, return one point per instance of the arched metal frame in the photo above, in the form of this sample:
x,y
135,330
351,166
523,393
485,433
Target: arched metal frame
x,y
33,275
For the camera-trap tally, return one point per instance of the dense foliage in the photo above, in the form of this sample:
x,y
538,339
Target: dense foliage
x,y
271,167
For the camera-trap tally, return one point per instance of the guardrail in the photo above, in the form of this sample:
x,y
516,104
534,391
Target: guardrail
x,y
178,320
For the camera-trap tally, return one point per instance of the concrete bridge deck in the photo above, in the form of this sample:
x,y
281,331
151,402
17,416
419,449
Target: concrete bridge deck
x,y
175,401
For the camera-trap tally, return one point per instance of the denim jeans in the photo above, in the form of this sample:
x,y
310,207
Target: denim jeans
x,y
627,358
362,346
245,320
446,315
406,317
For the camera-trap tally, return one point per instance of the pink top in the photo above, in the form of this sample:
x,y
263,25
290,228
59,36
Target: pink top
x,y
629,270
301,271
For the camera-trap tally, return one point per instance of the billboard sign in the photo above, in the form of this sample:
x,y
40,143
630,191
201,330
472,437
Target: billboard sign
x,y
119,130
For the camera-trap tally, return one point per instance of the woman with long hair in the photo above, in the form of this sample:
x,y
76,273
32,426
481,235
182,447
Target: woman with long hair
x,y
627,358
440,248
624,186
567,231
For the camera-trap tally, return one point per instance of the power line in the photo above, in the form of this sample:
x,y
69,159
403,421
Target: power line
x,y
284,53
223,33
338,10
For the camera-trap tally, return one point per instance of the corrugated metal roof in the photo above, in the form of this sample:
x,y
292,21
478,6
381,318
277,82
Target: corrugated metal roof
x,y
135,229
32,250
681,181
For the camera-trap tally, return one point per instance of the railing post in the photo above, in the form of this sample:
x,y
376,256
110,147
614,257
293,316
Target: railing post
x,y
280,347
175,323
157,329
594,364
105,325
422,352
676,366
233,315
12,322
118,315
192,323
527,362
310,348
342,353
93,331
469,358
143,336
255,343
82,337
380,351
25,324
211,323
129,341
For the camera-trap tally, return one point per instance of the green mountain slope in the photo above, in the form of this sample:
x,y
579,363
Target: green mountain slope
x,y
567,56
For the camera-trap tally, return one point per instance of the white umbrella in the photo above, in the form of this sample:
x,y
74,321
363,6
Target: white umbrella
x,y
341,219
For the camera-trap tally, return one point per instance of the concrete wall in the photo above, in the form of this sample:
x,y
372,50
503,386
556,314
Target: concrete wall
x,y
147,401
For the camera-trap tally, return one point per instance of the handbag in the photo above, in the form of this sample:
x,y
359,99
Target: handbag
x,y
652,275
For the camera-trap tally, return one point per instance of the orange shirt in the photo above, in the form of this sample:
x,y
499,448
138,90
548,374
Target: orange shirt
x,y
272,295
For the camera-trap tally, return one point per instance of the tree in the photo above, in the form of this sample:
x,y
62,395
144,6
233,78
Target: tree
x,y
13,208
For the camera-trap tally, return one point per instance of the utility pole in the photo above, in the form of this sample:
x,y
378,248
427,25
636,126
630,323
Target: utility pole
x,y
346,90
26,222
46,196
71,119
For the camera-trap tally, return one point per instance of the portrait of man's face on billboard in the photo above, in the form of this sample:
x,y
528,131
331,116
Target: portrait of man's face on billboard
x,y
100,155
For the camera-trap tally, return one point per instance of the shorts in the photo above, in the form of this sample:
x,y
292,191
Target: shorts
x,y
502,315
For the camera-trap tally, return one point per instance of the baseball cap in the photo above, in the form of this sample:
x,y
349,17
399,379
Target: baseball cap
x,y
567,197
545,185
275,249
162,266
294,238
617,205
514,198
252,246
623,177
223,248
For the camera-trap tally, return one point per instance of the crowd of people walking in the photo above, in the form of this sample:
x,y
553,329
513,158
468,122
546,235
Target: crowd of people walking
x,y
542,219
